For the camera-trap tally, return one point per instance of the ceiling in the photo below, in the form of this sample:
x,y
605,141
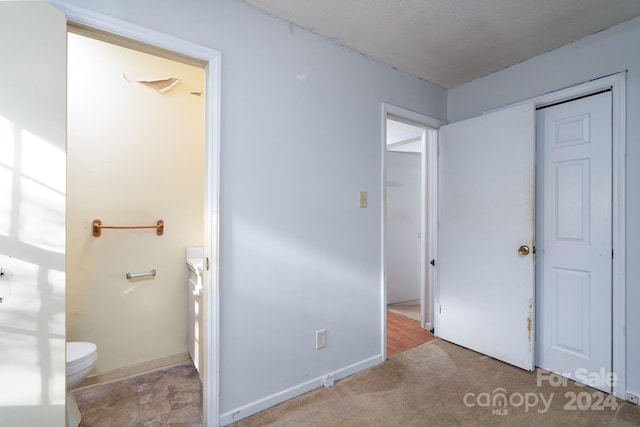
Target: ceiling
x,y
450,42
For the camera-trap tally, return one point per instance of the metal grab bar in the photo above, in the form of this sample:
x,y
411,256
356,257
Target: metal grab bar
x,y
152,273
97,227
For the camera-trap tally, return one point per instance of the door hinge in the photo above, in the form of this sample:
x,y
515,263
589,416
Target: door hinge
x,y
611,253
432,262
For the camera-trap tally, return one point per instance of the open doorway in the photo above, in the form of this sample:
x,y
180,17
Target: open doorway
x,y
403,247
135,154
406,235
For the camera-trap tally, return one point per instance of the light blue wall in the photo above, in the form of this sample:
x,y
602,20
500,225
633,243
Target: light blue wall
x,y
301,137
611,51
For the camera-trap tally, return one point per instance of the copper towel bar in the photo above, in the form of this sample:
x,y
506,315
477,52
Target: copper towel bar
x,y
97,227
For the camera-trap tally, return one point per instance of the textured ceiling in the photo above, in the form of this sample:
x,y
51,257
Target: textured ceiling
x,y
450,42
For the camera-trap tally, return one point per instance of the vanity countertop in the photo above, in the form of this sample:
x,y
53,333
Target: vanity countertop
x,y
195,265
194,258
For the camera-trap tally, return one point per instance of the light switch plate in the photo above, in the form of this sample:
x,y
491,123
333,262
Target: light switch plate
x,y
363,199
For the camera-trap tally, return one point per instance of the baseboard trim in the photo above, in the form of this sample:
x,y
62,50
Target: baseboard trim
x,y
137,369
269,401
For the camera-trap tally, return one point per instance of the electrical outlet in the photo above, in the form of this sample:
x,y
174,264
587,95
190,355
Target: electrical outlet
x,y
632,398
321,339
327,381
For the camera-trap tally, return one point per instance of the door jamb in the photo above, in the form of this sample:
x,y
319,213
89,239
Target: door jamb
x,y
617,83
429,207
212,59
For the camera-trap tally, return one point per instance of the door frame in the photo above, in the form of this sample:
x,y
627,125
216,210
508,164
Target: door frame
x,y
212,60
429,163
617,83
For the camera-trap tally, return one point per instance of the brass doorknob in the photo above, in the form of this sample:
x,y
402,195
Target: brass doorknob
x,y
523,250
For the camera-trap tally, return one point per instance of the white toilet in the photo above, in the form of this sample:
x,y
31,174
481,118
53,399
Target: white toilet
x,y
81,358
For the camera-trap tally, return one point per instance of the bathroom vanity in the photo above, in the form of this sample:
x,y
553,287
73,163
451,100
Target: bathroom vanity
x,y
194,309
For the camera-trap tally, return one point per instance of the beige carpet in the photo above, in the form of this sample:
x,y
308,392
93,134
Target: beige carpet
x,y
427,386
409,309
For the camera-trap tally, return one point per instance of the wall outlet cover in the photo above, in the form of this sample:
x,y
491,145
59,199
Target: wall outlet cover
x,y
328,380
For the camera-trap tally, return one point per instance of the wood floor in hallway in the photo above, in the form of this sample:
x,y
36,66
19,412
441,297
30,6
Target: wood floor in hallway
x,y
404,334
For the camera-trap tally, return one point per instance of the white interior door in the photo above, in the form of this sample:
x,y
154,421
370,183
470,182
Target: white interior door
x,y
486,213
575,288
32,214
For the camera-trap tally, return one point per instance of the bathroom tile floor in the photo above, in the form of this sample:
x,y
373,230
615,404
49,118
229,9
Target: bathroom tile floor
x,y
168,397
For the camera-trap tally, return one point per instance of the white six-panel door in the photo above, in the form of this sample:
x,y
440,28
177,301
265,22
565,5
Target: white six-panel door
x,y
575,245
486,213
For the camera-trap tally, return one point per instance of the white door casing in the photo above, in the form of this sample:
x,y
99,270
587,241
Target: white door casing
x,y
486,212
575,244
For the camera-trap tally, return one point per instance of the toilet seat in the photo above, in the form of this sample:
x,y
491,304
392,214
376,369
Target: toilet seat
x,y
80,354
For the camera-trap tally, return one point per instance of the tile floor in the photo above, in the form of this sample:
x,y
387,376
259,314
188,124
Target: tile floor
x,y
169,397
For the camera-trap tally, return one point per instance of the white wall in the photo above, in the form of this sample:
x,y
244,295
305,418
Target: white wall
x,y
301,137
403,223
133,156
32,214
614,50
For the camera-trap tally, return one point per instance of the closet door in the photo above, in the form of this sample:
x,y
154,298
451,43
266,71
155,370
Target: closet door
x,y
575,293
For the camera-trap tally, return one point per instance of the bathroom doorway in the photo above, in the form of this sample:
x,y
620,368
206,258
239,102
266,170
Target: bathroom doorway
x,y
136,155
